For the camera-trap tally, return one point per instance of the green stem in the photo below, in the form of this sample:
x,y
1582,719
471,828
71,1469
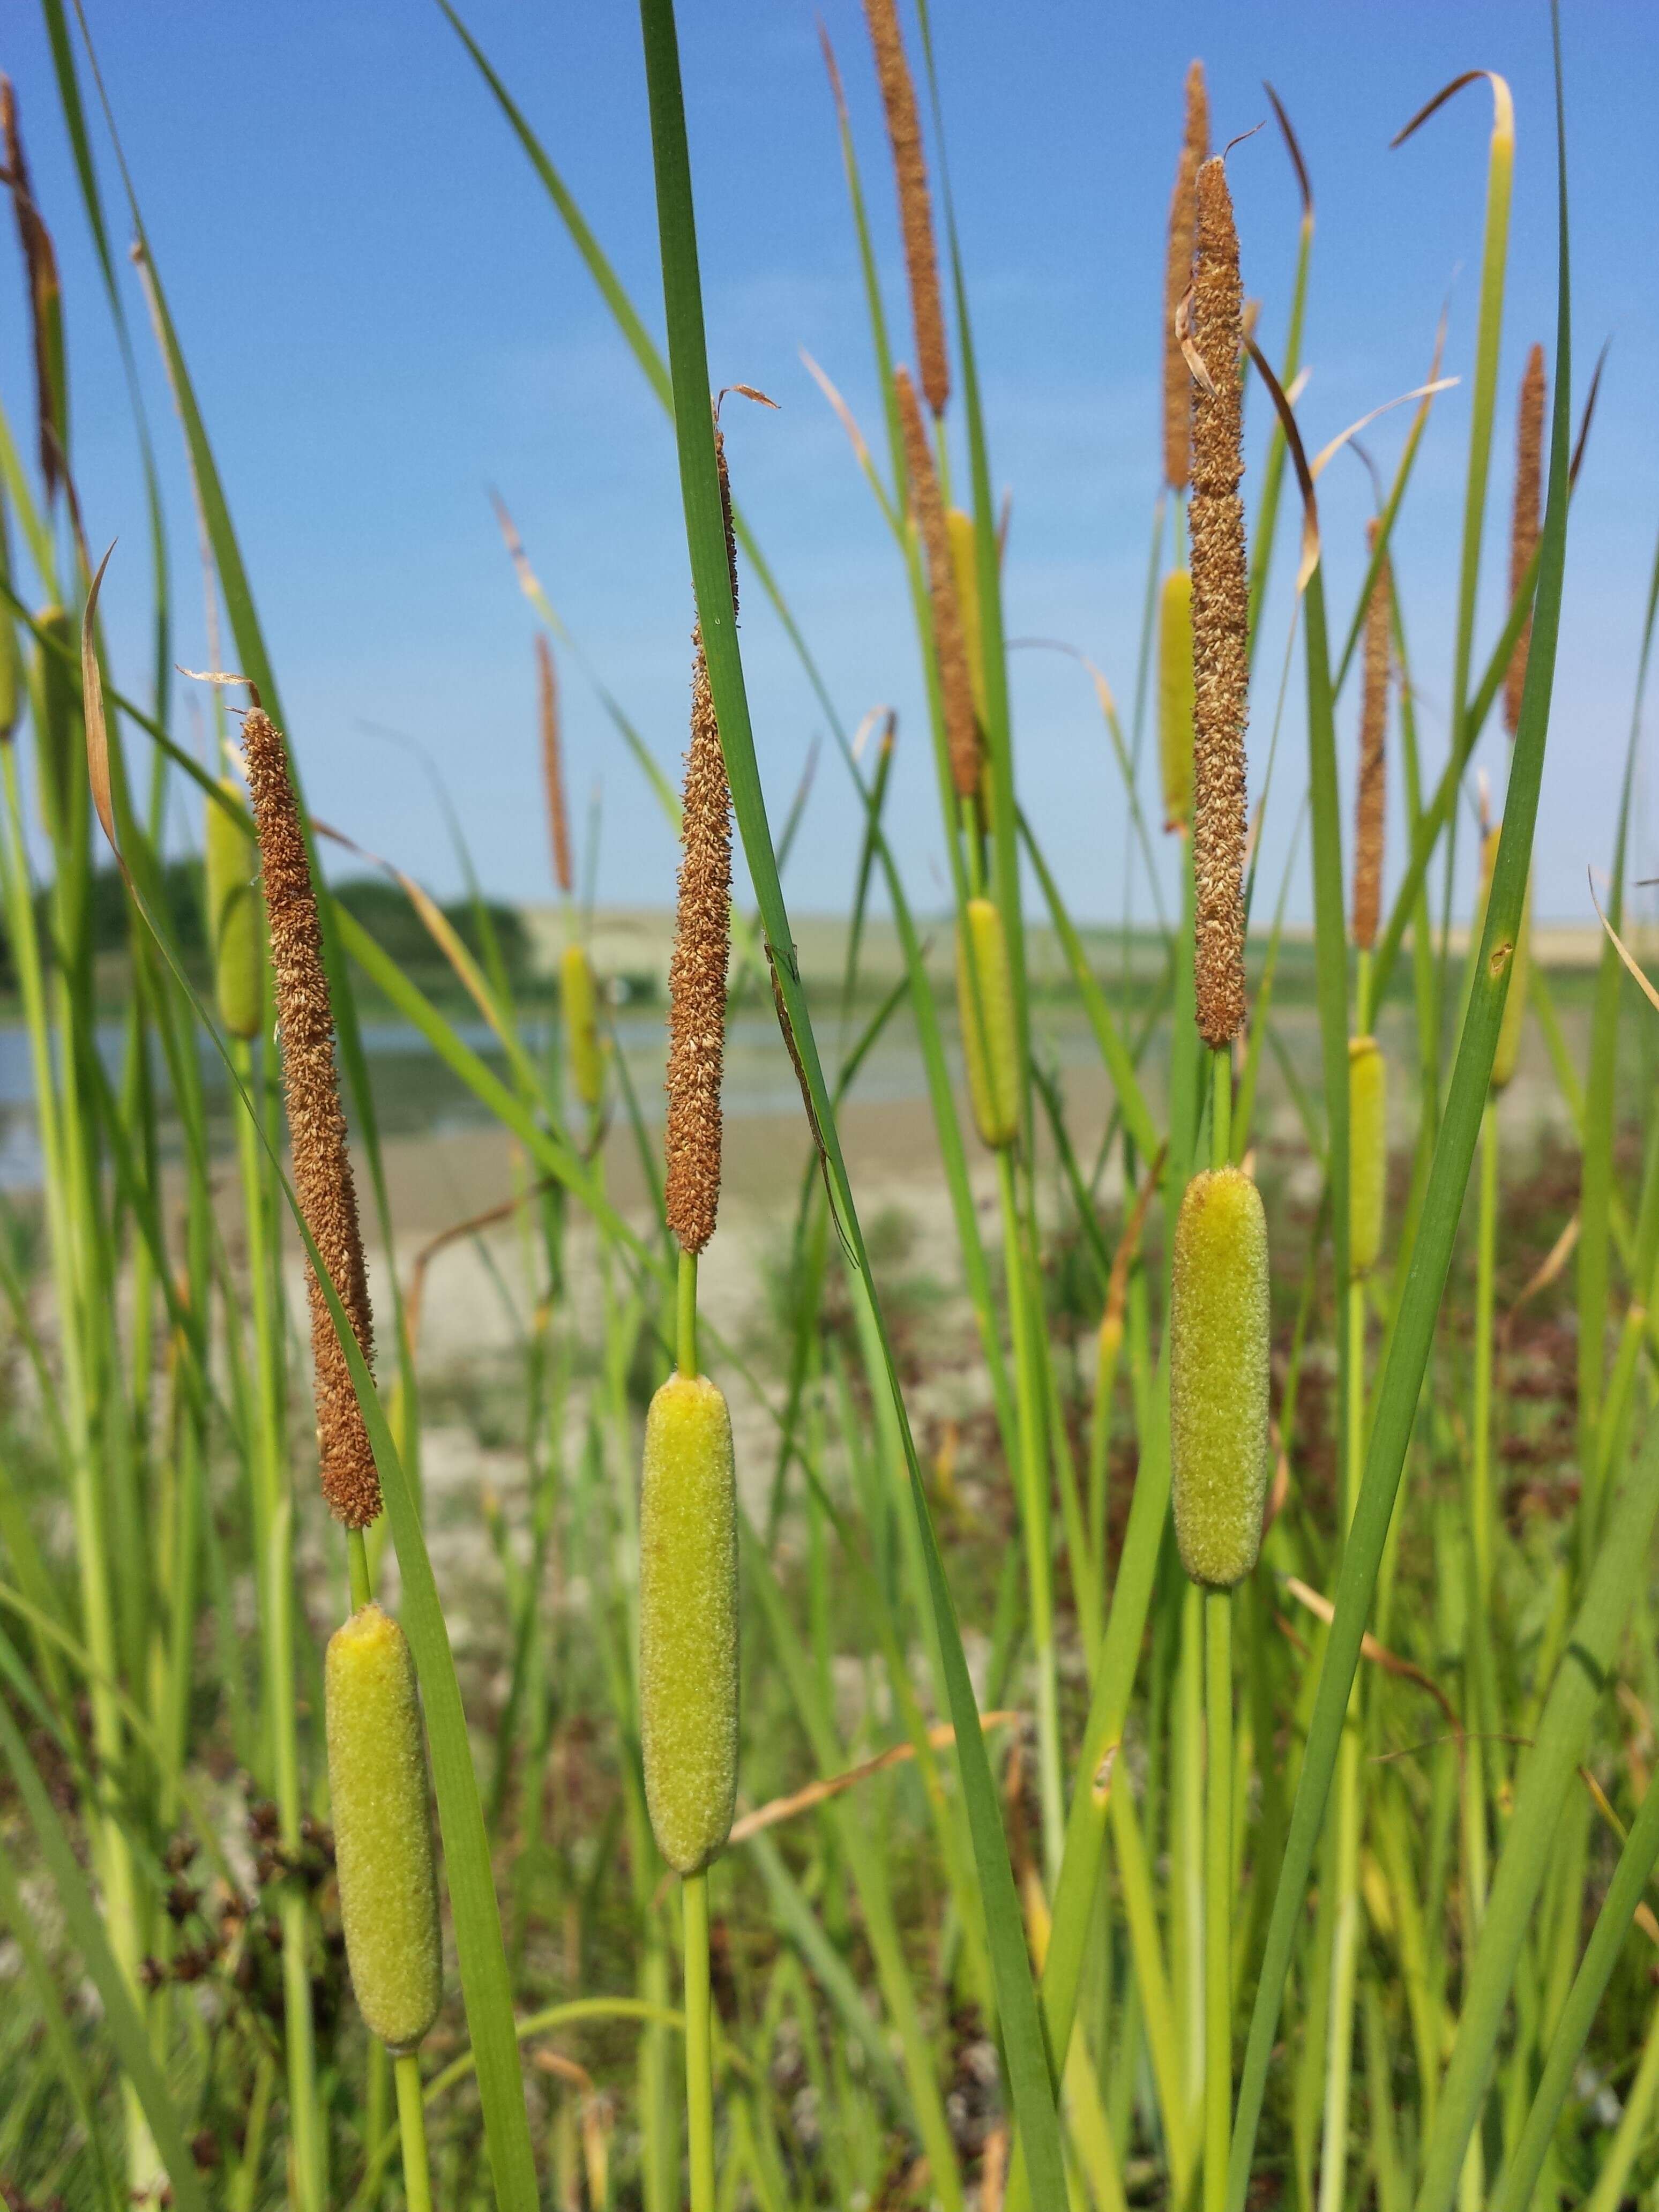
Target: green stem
x,y
1480,1508
1221,1111
699,2063
686,1315
1218,1894
1030,1398
411,2129
357,1567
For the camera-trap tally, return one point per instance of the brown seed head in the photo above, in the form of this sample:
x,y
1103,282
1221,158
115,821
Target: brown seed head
x,y
1523,529
1221,664
898,96
1370,799
558,821
702,944
955,682
317,1129
1178,274
41,267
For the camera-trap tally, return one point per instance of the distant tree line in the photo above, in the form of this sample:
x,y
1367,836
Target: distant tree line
x,y
378,905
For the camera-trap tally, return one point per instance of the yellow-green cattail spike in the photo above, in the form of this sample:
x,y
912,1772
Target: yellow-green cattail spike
x,y
377,1780
689,1621
579,999
57,742
1368,1150
1218,1376
1174,697
964,561
985,1001
1515,1006
234,932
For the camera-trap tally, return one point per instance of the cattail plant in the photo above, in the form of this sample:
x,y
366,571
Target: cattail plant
x,y
1218,1376
1219,1286
1174,697
1367,1069
377,1789
985,1001
898,97
1177,276
235,936
317,1127
1523,526
688,1495
955,685
1220,663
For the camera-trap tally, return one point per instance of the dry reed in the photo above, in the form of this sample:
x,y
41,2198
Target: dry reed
x,y
702,944
1221,664
1177,276
898,96
1523,527
1370,804
955,681
317,1127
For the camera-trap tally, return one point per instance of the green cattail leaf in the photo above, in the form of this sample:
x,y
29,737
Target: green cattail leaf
x,y
236,930
1368,1151
985,1004
579,999
1514,1005
1176,697
689,1621
1218,1376
377,1780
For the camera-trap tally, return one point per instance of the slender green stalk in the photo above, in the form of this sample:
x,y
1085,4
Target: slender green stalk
x,y
685,1315
699,2058
1219,1882
1034,1515
411,2129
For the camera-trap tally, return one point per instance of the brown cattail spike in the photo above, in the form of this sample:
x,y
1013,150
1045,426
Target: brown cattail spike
x,y
1177,276
558,822
955,682
898,97
1220,663
1370,801
317,1129
702,944
1523,529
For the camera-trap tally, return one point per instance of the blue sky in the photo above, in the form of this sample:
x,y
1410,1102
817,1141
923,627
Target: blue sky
x,y
382,317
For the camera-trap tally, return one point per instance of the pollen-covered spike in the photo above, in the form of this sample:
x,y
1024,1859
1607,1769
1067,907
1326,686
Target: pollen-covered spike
x,y
1371,798
1368,1151
689,1621
1177,276
1218,1320
317,1127
702,947
377,1781
1524,523
985,1004
1174,697
956,686
558,820
898,96
235,932
1220,623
